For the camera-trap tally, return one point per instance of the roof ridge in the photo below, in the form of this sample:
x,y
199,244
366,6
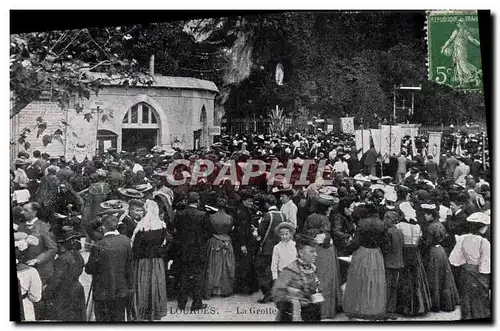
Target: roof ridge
x,y
164,81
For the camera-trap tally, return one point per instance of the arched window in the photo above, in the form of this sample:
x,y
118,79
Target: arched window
x,y
140,115
203,115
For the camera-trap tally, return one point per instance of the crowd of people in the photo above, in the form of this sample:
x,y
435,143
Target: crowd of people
x,y
397,236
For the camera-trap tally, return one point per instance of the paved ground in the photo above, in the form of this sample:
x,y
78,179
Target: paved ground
x,y
245,308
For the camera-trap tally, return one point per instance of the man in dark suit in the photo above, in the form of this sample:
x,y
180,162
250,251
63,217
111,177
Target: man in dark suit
x,y
432,169
244,245
41,256
110,264
192,232
268,239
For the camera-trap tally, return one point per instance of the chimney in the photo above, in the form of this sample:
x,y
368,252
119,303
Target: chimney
x,y
152,65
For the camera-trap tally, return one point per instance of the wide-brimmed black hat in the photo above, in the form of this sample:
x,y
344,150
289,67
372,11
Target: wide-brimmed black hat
x,y
302,240
459,197
325,199
67,232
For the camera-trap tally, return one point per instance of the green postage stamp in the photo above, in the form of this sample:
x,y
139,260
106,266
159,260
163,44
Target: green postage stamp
x,y
454,57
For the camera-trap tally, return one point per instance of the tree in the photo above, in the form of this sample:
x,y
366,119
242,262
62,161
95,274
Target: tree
x,y
57,63
336,63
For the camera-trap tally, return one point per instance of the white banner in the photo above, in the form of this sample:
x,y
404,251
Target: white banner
x,y
376,139
413,146
214,130
347,124
409,129
391,140
81,135
435,146
362,141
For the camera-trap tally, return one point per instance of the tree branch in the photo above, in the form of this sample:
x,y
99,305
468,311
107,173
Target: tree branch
x,y
65,48
57,42
95,42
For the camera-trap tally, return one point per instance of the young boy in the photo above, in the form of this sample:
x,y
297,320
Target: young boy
x,y
284,252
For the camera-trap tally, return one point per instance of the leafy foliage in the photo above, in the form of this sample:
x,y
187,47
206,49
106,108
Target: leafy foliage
x,y
336,63
57,63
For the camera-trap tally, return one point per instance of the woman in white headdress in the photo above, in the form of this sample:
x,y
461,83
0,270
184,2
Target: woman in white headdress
x,y
150,296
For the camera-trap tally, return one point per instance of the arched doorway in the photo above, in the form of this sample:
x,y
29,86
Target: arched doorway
x,y
140,128
106,139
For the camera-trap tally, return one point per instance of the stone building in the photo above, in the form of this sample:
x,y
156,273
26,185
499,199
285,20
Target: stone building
x,y
173,110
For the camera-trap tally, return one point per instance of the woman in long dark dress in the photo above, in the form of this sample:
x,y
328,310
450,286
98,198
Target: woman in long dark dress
x,y
413,292
317,226
365,290
148,238
472,254
64,294
221,266
443,290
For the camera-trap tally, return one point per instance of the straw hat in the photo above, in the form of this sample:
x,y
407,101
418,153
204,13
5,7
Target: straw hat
x,y
115,205
328,190
284,225
143,187
131,193
479,217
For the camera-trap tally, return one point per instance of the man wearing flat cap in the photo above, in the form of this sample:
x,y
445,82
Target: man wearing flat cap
x,y
192,232
245,245
110,264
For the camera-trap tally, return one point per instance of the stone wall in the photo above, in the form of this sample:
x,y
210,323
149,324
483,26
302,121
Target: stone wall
x,y
178,113
52,114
